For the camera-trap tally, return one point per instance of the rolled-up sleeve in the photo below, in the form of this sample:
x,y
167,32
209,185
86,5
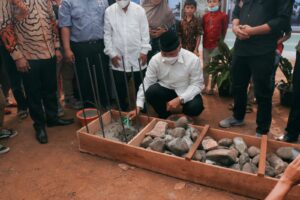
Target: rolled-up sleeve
x,y
196,82
236,11
284,12
146,47
64,14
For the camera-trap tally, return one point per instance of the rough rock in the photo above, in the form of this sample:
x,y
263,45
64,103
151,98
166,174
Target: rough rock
x,y
223,156
114,129
146,141
189,141
240,144
255,160
253,151
276,162
209,144
159,129
178,132
244,158
193,133
222,147
279,176
227,142
182,122
270,171
168,152
210,162
158,144
168,138
235,166
288,153
199,156
249,168
178,146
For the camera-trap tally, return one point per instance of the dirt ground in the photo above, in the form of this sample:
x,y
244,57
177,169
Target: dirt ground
x,y
58,171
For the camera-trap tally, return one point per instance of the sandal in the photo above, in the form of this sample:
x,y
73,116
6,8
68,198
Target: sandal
x,y
7,133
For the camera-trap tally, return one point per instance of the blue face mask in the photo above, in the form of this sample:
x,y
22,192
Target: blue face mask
x,y
213,9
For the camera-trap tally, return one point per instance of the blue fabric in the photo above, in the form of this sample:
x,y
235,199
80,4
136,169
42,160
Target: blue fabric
x,y
84,17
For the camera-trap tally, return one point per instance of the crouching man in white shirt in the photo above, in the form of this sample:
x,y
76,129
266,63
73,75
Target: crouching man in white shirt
x,y
173,81
126,39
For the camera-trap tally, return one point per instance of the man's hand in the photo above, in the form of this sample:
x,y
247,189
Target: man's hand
x,y
240,33
59,56
22,65
174,105
155,33
116,61
143,59
133,114
248,29
69,55
196,52
291,175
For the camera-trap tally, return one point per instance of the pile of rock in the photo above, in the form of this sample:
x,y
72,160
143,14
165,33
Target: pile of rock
x,y
277,162
172,141
231,153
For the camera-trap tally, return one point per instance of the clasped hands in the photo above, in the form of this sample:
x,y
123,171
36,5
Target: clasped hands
x,y
243,32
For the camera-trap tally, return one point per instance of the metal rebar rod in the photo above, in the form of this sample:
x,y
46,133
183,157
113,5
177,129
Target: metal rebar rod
x,y
80,95
143,86
126,84
118,101
136,112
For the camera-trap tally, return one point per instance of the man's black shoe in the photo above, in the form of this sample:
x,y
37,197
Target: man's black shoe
x,y
60,122
41,135
288,138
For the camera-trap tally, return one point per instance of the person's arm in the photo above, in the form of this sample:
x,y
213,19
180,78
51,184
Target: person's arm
x,y
224,26
146,47
196,82
290,178
198,40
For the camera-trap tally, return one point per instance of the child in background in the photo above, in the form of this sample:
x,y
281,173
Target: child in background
x,y
215,24
190,29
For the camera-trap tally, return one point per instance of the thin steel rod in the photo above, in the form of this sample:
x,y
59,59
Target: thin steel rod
x,y
136,112
126,84
142,79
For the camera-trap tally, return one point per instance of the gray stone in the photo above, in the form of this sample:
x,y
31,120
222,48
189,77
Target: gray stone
x,y
158,144
159,129
168,152
255,160
223,156
209,144
178,146
287,153
253,151
248,168
279,176
178,132
188,140
222,147
210,162
146,141
276,162
199,156
193,133
244,158
113,129
227,142
240,144
270,171
182,122
235,166
168,138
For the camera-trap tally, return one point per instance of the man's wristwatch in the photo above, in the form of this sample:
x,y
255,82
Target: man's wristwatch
x,y
181,100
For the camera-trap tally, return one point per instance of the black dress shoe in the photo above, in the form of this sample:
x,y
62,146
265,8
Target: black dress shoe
x,y
60,122
288,138
41,135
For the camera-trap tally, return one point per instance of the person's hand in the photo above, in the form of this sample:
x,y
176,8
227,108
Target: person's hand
x,y
247,29
133,114
291,175
240,33
22,65
69,55
143,59
174,105
196,52
155,33
115,61
59,56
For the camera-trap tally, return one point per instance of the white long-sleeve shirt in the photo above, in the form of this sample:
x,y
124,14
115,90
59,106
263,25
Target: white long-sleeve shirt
x,y
126,34
185,76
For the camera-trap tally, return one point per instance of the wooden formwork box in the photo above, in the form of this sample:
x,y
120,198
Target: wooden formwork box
x,y
251,185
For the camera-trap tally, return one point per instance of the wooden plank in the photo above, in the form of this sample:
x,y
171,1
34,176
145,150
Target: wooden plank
x,y
137,140
263,156
197,143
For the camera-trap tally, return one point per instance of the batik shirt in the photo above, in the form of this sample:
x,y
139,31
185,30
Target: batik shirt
x,y
28,29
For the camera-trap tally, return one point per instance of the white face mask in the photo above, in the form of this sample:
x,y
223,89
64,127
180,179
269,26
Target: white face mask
x,y
170,60
123,3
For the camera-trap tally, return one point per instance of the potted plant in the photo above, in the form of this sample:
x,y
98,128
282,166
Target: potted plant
x,y
285,87
219,68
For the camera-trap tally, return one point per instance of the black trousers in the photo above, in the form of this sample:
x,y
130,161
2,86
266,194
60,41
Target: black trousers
x,y
41,86
91,51
293,125
15,79
159,96
121,85
261,68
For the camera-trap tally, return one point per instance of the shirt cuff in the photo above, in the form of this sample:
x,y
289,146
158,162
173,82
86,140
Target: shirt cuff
x,y
140,103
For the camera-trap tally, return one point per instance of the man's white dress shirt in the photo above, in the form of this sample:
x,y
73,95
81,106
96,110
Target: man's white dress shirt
x,y
126,34
185,76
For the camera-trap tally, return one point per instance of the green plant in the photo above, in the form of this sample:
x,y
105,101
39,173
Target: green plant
x,y
219,67
287,69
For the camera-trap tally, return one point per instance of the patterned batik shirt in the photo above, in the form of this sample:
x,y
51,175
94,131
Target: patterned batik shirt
x,y
188,32
28,29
